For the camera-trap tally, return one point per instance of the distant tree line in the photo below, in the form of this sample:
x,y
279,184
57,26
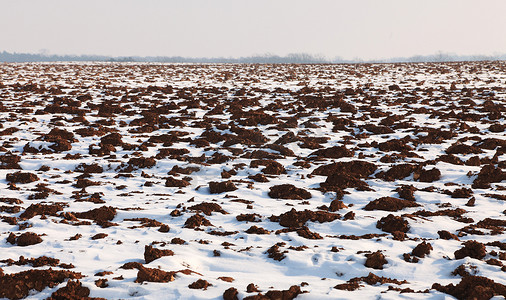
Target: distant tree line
x,y
297,58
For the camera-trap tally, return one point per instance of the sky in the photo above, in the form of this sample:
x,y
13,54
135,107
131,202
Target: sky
x,y
355,29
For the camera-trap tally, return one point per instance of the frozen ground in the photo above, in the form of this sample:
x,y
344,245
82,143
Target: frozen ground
x,y
144,179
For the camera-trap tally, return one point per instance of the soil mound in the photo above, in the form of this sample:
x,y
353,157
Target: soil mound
x,y
173,182
422,249
99,215
389,204
41,209
296,219
288,191
343,181
397,172
472,249
488,174
428,175
21,177
151,253
356,168
407,192
19,285
73,290
392,224
274,168
196,221
25,239
200,284
221,187
473,287
154,275
207,208
332,152
375,260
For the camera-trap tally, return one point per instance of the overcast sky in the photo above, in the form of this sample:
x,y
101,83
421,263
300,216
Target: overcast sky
x,y
366,29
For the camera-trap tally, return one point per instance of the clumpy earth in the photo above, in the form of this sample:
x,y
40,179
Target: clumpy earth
x,y
166,181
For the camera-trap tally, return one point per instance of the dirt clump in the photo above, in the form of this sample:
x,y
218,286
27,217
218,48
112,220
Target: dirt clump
x,y
230,294
153,275
274,168
99,236
389,204
10,161
41,209
34,262
275,253
100,215
72,290
221,187
173,182
257,230
406,192
428,175
462,193
207,208
332,152
25,239
422,249
356,168
196,221
288,191
473,287
308,234
259,177
375,260
397,172
472,249
249,218
150,253
91,168
19,285
488,174
21,177
336,205
200,284
393,224
459,148
446,235
371,279
394,145
113,139
296,219
339,181
289,294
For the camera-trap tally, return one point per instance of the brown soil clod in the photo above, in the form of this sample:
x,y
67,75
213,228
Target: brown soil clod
x,y
392,224
221,187
296,219
151,254
21,177
375,260
154,275
389,204
288,191
473,287
200,284
196,221
231,294
19,285
25,239
207,208
472,249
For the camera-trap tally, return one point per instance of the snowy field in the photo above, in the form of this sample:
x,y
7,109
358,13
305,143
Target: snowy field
x,y
144,181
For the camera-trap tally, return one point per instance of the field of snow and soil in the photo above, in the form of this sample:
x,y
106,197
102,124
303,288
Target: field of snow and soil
x,y
253,181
